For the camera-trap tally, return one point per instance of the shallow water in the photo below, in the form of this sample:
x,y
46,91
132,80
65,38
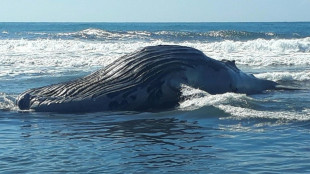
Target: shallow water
x,y
200,141
227,133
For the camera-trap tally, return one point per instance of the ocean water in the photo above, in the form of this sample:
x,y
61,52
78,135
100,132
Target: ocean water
x,y
227,133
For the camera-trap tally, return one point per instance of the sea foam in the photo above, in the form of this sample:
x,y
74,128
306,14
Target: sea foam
x,y
44,55
285,76
238,106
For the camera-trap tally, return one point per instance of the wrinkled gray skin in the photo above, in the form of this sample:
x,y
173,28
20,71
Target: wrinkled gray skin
x,y
146,80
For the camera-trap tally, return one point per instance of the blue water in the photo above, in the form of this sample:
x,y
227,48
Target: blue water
x,y
227,133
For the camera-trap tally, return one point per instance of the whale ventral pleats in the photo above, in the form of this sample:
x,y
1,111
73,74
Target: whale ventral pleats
x,y
145,80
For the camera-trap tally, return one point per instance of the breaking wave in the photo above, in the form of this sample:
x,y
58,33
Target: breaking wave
x,y
7,102
99,34
143,35
286,76
238,106
53,56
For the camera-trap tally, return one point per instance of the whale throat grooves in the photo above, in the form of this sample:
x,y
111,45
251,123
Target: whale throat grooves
x,y
145,68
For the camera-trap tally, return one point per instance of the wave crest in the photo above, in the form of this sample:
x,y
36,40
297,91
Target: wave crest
x,y
101,35
60,55
285,76
7,102
166,35
196,98
238,106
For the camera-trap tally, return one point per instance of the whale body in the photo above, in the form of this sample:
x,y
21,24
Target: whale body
x,y
145,80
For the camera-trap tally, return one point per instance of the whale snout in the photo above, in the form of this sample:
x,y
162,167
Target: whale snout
x,y
23,101
253,85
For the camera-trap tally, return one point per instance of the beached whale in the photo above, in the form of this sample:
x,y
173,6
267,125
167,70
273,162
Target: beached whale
x,y
146,80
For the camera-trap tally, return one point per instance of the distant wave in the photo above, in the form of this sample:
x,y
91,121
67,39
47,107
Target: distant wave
x,y
98,34
278,45
260,52
164,35
301,45
48,56
285,76
4,32
216,35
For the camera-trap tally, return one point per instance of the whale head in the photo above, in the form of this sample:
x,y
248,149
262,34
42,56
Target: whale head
x,y
216,77
249,84
241,82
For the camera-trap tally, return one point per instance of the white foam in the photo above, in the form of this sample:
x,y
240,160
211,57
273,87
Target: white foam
x,y
52,56
237,105
260,52
242,113
93,33
259,45
285,76
4,32
196,98
7,102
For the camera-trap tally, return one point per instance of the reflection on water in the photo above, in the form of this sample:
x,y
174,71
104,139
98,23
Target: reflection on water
x,y
148,142
108,143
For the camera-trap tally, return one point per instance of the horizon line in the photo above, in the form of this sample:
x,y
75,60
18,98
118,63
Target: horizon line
x,y
151,21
